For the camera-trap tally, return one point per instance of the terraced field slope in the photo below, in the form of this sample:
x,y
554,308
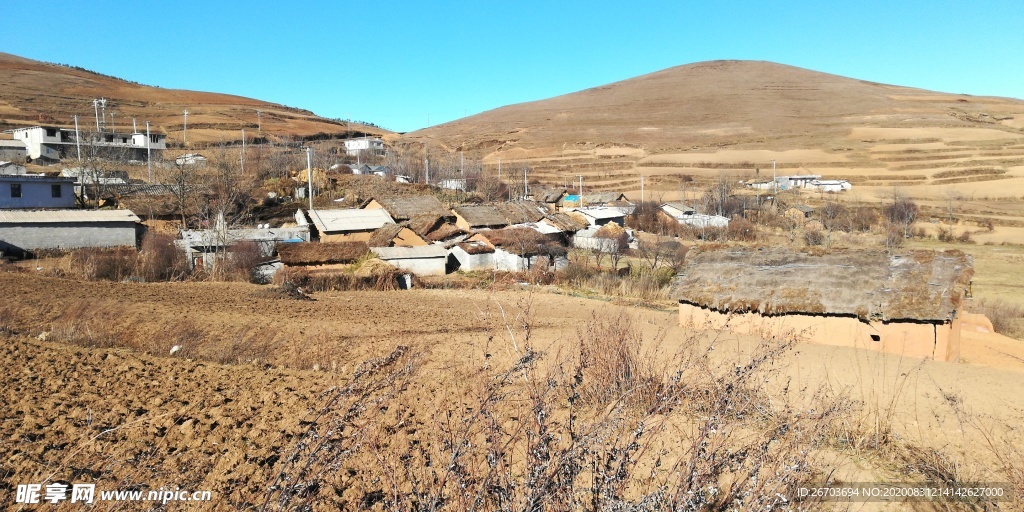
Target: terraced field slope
x,y
698,122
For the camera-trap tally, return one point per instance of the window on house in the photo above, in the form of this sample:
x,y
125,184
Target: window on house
x,y
51,132
55,191
15,190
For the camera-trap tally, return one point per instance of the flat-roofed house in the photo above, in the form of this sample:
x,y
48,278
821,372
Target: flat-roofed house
x,y
33,191
424,260
30,230
599,215
349,225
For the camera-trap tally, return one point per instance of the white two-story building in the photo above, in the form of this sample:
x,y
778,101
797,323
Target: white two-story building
x,y
51,144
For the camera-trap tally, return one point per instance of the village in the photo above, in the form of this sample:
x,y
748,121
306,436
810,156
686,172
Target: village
x,y
406,299
413,230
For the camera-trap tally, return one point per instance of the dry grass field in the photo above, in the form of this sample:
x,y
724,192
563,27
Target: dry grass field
x,y
100,399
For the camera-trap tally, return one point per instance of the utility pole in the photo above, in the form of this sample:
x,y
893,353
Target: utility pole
x,y
526,191
774,183
259,121
96,112
103,107
149,165
184,126
241,158
580,176
641,188
78,141
113,128
134,128
499,170
309,174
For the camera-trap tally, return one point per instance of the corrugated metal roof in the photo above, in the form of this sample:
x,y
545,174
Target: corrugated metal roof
x,y
406,253
340,221
61,216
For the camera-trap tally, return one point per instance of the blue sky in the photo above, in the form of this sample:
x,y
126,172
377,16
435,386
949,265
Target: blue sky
x,y
400,63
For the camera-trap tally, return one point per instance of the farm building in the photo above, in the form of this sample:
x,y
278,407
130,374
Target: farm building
x,y
394,235
676,209
434,227
476,253
481,216
11,169
13,150
349,225
498,215
906,304
608,199
205,247
321,258
550,196
606,239
28,230
830,185
518,249
799,212
402,208
32,191
425,260
563,222
599,215
795,181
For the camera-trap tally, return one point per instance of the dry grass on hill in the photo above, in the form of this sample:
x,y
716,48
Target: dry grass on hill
x,y
41,93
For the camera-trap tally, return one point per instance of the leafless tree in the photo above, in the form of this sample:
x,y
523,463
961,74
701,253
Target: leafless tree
x,y
902,212
832,214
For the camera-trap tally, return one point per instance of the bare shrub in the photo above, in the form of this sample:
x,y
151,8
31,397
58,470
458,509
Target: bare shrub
x,y
613,366
582,432
894,237
814,237
114,264
965,238
863,219
742,229
1007,317
160,259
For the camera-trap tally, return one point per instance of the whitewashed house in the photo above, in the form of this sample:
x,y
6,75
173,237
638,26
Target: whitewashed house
x,y
475,253
424,260
50,143
601,215
830,185
364,145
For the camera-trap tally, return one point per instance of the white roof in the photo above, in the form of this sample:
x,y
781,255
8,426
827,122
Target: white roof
x,y
601,213
540,227
59,216
355,219
407,253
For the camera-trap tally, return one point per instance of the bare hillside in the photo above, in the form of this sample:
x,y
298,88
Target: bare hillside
x,y
720,103
690,124
33,93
